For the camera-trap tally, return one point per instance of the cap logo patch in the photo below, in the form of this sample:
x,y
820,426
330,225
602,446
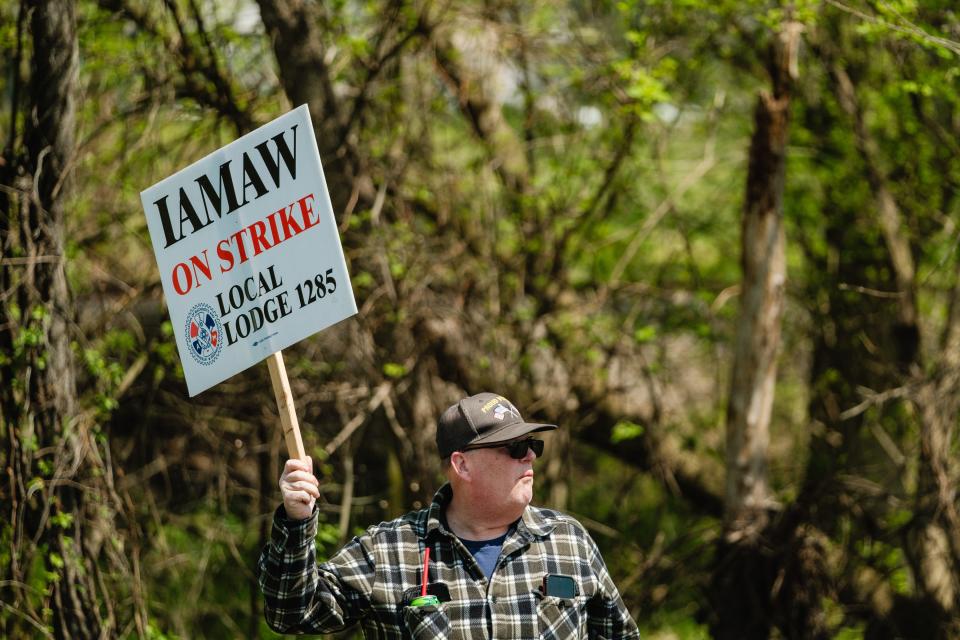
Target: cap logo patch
x,y
502,411
492,403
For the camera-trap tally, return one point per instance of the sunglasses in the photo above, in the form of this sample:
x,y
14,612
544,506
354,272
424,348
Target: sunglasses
x,y
517,450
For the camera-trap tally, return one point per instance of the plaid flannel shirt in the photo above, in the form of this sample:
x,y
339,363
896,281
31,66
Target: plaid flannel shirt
x,y
373,578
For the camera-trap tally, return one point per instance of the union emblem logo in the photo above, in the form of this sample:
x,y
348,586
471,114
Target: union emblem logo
x,y
204,333
504,410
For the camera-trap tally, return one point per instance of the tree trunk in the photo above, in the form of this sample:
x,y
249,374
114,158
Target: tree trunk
x,y
938,519
906,331
935,538
758,328
57,523
742,579
295,28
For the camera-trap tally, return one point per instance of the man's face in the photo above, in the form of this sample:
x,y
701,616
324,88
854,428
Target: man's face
x,y
500,481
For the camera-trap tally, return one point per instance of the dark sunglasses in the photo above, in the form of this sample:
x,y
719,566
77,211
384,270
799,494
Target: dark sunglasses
x,y
517,450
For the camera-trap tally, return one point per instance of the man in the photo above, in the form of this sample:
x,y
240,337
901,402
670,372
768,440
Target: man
x,y
499,567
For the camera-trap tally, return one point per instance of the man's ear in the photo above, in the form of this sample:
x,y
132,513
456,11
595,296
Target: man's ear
x,y
460,465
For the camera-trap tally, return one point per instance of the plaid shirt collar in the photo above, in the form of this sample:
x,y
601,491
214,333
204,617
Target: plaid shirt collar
x,y
532,524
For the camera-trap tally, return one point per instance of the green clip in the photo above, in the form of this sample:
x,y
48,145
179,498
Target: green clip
x,y
424,601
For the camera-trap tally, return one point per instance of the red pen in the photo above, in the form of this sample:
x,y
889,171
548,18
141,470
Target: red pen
x,y
426,568
424,599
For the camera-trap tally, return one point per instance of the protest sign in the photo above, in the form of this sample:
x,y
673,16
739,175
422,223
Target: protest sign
x,y
248,250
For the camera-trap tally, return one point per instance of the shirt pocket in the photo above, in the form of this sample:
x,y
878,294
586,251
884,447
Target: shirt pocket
x,y
427,622
560,618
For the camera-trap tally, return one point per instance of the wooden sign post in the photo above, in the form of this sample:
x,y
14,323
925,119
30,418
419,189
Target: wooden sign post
x,y
288,412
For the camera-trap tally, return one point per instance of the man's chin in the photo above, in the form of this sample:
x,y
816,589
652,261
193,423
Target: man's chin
x,y
523,493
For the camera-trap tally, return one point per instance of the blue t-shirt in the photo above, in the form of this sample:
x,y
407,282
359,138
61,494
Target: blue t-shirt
x,y
486,552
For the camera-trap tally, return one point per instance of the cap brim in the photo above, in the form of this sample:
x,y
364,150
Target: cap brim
x,y
512,431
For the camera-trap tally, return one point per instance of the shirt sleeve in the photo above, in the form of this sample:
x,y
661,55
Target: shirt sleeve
x,y
301,596
607,615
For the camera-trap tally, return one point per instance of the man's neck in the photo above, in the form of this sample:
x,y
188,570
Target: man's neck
x,y
473,524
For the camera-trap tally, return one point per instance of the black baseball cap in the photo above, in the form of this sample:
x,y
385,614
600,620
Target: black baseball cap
x,y
485,418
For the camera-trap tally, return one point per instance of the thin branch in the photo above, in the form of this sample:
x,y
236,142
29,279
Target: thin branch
x,y
486,120
360,103
876,293
667,205
911,29
597,526
29,261
876,400
46,633
355,423
564,244
346,497
888,211
192,63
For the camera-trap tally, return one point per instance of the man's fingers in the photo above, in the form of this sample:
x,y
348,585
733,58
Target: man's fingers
x,y
301,486
300,496
293,464
300,476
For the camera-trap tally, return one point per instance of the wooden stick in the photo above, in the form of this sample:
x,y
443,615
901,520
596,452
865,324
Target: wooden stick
x,y
288,412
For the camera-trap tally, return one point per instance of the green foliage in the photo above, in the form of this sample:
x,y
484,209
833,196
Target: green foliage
x,y
851,633
62,519
394,370
202,567
625,430
676,626
645,334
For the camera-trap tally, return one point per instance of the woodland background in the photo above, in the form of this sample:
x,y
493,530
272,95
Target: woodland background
x,y
716,241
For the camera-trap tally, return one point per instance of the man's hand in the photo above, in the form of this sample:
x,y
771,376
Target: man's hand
x,y
300,488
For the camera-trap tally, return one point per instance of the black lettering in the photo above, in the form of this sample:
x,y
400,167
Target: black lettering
x,y
236,300
249,282
243,326
273,162
274,283
223,310
250,178
256,315
331,281
270,310
230,337
215,197
285,308
164,212
188,214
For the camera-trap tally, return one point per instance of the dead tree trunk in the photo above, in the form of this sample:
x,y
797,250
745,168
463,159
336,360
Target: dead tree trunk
x,y
742,581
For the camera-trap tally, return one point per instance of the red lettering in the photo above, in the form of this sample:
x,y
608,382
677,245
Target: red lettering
x,y
178,286
306,210
261,236
202,265
238,239
272,218
288,222
260,244
224,253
